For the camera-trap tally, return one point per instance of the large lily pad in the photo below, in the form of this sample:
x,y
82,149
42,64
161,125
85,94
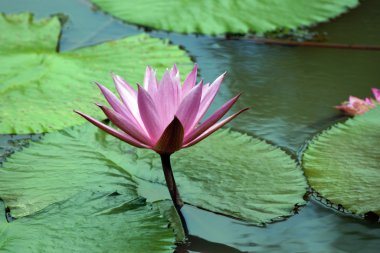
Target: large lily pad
x,y
90,222
343,163
230,173
40,87
223,16
233,174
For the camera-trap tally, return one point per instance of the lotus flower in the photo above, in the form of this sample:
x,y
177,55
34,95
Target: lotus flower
x,y
163,116
376,93
356,106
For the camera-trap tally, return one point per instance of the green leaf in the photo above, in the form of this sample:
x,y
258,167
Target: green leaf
x,y
233,174
59,167
90,222
343,163
40,87
229,173
225,16
12,143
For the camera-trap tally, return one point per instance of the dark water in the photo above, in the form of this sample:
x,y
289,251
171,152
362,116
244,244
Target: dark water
x,y
292,91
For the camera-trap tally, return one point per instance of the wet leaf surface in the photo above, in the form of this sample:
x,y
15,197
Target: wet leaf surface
x,y
343,163
85,158
226,16
40,86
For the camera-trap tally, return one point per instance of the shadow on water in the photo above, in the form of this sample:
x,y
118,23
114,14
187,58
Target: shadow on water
x,y
197,244
292,92
316,228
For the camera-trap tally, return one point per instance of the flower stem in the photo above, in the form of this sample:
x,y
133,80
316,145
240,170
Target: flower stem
x,y
172,186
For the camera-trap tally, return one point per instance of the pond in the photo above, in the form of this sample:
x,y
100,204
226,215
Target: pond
x,y
292,92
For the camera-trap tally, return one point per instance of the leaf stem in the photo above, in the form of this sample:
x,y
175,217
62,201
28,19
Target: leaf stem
x,y
173,190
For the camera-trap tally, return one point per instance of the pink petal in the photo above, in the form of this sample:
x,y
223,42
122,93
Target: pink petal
x,y
376,93
174,71
122,136
188,109
116,104
213,129
208,98
166,99
352,99
127,94
206,88
211,120
174,74
171,139
111,99
126,126
149,114
190,81
150,80
369,102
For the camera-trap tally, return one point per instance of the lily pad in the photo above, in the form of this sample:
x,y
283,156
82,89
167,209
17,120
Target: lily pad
x,y
229,173
59,167
233,174
343,163
90,222
12,143
225,16
40,86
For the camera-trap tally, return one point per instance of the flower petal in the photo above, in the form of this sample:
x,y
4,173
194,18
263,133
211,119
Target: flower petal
x,y
352,100
188,109
376,93
149,114
126,126
171,139
211,120
116,104
190,81
122,136
213,129
174,71
127,94
166,99
208,98
174,74
150,80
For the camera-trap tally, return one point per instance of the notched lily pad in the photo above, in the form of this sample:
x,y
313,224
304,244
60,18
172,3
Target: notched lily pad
x,y
343,163
228,173
40,87
90,222
225,16
233,174
60,166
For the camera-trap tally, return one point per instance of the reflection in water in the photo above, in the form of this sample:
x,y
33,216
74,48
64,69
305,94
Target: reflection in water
x,y
315,229
292,92
10,143
200,245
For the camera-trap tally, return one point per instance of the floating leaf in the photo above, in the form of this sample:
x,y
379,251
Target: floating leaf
x,y
225,16
89,222
233,174
40,87
230,173
59,167
343,163
10,143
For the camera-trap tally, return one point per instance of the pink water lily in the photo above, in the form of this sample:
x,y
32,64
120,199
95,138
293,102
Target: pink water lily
x,y
376,94
163,116
356,106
